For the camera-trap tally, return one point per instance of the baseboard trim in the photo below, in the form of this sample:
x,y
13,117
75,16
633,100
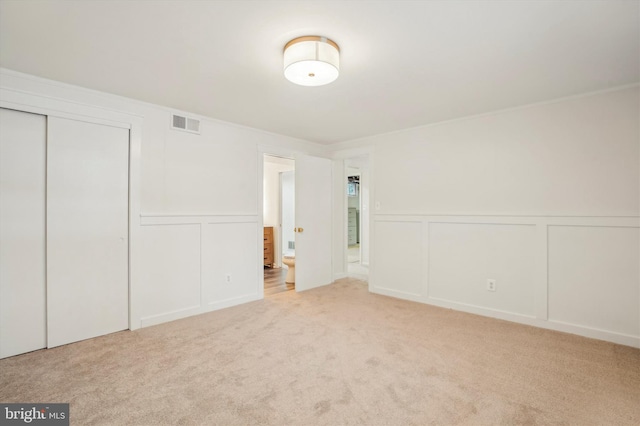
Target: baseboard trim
x,y
579,330
227,303
398,294
169,316
196,310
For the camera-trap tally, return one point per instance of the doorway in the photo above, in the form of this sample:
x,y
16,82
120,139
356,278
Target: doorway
x,y
313,265
278,221
353,218
357,217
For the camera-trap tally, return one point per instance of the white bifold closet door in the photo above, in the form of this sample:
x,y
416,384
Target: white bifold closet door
x,y
22,232
87,230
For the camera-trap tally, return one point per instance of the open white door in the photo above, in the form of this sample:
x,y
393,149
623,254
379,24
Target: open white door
x,y
313,222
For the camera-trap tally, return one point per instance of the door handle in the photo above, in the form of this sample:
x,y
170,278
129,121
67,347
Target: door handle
x,y
298,229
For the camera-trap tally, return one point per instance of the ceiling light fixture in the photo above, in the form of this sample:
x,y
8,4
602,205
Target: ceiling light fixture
x,y
311,61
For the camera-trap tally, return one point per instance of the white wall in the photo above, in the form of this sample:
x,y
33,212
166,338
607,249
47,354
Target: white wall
x,y
199,200
576,157
544,199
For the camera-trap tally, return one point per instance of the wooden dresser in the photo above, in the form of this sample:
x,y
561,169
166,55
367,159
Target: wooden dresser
x,y
268,246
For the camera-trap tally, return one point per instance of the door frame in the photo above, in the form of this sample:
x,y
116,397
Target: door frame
x,y
341,226
54,107
360,204
261,152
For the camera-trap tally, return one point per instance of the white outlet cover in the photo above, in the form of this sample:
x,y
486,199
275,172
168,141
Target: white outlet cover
x,y
491,284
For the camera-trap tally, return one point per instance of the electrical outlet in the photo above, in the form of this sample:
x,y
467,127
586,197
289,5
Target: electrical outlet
x,y
228,278
491,284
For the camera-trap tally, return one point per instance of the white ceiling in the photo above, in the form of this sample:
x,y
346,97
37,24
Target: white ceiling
x,y
403,63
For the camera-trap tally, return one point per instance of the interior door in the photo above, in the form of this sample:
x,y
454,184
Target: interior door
x,y
22,232
87,230
313,222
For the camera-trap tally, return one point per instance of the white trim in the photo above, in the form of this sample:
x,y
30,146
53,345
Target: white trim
x,y
397,293
54,98
197,214
189,219
630,215
260,221
604,221
109,96
53,107
169,316
197,310
233,301
594,333
361,142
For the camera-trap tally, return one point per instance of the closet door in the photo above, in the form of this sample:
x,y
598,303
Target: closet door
x,y
22,232
87,230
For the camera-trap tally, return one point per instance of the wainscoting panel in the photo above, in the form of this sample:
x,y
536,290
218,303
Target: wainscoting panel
x,y
170,277
462,256
594,276
399,259
196,263
231,262
576,274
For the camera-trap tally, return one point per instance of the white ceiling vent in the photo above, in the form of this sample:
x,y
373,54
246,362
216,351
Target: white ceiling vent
x,y
186,124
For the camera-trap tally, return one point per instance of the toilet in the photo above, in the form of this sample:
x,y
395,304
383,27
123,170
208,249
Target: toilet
x,y
290,261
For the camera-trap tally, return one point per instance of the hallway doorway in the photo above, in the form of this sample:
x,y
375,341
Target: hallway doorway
x,y
357,217
279,222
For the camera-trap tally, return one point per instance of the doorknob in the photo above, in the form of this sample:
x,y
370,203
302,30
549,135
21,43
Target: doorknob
x,y
298,229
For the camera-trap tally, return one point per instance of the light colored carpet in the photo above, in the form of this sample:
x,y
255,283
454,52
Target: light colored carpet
x,y
337,355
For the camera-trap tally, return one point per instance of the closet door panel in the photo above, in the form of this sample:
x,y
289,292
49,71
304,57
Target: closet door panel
x,y
87,230
22,232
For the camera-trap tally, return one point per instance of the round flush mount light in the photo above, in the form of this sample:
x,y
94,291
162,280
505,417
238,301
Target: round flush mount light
x,y
311,61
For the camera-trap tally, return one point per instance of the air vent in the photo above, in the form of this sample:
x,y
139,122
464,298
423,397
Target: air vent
x,y
186,124
292,245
